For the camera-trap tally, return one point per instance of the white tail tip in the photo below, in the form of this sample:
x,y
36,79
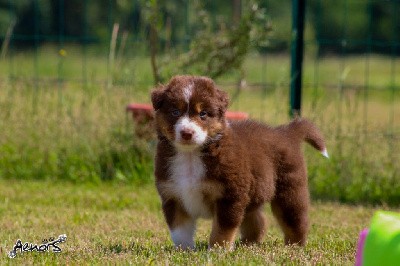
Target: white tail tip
x,y
325,153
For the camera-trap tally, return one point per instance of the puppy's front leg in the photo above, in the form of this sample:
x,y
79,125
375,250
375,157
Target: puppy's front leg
x,y
226,222
182,234
181,225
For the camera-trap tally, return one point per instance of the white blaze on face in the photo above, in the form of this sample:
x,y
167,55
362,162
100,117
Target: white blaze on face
x,y
198,138
188,127
187,93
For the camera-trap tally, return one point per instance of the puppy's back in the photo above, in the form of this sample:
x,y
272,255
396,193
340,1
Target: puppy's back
x,y
254,133
258,137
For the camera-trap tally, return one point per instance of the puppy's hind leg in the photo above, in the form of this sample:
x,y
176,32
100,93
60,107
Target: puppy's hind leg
x,y
222,236
290,208
252,229
227,219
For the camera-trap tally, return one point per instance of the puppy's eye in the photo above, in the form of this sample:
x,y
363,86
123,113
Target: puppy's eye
x,y
203,114
176,113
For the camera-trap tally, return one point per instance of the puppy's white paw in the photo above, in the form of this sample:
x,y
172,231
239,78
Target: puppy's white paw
x,y
182,236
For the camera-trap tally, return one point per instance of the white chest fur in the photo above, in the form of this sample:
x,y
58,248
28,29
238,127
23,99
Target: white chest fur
x,y
188,173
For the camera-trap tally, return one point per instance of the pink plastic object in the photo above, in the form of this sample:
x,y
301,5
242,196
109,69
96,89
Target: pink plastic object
x,y
360,247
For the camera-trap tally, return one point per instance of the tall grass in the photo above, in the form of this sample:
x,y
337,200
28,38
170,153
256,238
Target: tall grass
x,y
71,134
64,130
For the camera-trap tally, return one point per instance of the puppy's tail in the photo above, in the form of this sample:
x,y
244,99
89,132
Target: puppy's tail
x,y
304,129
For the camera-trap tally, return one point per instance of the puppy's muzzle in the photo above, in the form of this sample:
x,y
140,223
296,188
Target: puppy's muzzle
x,y
186,134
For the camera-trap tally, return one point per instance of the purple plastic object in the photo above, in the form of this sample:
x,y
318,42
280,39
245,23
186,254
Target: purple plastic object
x,y
360,247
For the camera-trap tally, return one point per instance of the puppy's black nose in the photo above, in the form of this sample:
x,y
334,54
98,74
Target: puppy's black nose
x,y
186,134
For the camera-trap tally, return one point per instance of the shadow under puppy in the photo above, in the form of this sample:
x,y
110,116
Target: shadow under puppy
x,y
206,167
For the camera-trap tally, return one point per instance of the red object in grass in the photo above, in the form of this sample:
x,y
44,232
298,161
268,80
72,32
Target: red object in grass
x,y
142,112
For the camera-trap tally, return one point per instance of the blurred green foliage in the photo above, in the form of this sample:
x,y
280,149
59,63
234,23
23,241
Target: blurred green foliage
x,y
214,53
356,26
336,25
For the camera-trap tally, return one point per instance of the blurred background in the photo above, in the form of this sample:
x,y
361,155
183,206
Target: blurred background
x,y
68,69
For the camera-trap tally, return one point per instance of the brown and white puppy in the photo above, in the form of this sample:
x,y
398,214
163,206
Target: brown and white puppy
x,y
206,167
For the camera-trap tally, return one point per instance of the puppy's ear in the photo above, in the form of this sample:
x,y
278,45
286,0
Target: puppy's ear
x,y
157,97
223,101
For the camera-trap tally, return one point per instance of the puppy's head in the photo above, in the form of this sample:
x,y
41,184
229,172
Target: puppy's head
x,y
190,111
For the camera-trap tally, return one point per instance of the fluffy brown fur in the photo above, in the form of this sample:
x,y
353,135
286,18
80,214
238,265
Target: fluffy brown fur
x,y
228,177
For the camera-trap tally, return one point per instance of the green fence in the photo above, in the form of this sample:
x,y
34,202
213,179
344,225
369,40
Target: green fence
x,y
350,79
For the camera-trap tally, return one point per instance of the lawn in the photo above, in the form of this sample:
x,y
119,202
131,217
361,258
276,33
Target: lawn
x,y
120,223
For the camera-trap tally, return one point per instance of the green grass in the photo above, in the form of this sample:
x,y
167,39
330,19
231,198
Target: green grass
x,y
118,223
77,65
70,134
132,67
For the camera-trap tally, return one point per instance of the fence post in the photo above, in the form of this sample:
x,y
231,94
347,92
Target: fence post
x,y
298,10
